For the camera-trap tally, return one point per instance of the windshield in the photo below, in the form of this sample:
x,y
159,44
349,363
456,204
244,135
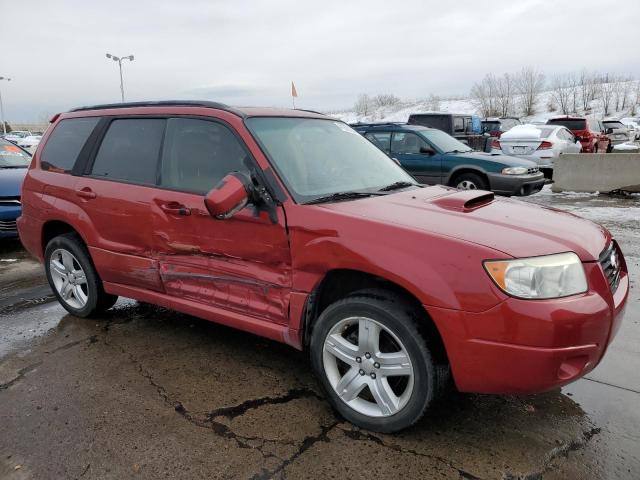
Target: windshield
x,y
316,157
570,124
12,156
444,142
614,124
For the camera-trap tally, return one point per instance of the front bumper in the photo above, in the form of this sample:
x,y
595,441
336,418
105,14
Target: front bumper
x,y
520,185
8,216
530,346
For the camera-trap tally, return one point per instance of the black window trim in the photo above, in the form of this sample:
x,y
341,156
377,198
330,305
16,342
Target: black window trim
x,y
254,168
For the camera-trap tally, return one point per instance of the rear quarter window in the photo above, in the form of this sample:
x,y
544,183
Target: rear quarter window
x,y
66,142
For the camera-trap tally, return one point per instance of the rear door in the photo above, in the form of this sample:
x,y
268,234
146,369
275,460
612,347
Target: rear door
x,y
116,193
243,263
425,167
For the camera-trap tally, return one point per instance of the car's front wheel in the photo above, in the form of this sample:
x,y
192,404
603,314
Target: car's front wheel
x,y
73,277
373,362
470,181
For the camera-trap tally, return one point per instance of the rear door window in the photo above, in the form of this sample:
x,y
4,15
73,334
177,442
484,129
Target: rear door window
x,y
382,140
404,143
130,151
66,142
198,154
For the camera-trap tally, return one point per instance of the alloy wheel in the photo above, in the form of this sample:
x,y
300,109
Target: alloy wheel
x,y
368,367
69,279
467,185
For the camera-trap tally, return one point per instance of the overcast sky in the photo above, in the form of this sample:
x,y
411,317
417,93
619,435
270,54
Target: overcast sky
x,y
248,52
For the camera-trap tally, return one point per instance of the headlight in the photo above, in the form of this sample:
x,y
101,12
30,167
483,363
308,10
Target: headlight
x,y
514,170
551,276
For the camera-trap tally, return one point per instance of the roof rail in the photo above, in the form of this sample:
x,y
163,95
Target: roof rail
x,y
359,124
162,103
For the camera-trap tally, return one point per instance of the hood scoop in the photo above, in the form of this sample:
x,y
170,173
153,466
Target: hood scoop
x,y
464,201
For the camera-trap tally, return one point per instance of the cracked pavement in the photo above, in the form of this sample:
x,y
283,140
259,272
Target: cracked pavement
x,y
148,393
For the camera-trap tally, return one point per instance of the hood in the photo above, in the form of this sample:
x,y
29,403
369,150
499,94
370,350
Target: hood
x,y
498,159
514,227
11,181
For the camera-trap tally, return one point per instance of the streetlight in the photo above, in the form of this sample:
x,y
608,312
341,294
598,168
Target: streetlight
x,y
4,126
119,60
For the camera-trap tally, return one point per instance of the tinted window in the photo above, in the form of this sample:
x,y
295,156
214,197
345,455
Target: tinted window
x,y
441,122
569,123
130,151
382,140
198,154
407,143
458,124
66,141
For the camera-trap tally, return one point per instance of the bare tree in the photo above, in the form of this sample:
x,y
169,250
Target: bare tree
x,y
363,105
529,84
483,96
573,86
561,93
606,90
586,85
434,103
505,94
385,100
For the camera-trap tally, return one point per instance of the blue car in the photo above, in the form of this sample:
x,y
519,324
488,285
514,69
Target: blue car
x,y
13,167
435,157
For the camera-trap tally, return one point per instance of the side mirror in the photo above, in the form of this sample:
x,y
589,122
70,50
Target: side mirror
x,y
427,150
229,196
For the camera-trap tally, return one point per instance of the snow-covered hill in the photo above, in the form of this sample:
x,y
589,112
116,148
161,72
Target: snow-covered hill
x,y
401,111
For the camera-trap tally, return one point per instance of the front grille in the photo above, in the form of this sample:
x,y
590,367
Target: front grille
x,y
8,226
533,170
610,263
9,201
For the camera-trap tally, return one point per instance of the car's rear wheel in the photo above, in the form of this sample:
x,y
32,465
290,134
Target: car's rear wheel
x,y
73,277
470,181
372,361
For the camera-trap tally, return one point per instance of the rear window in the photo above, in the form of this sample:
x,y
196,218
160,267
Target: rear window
x,y
66,141
569,123
441,122
130,151
488,126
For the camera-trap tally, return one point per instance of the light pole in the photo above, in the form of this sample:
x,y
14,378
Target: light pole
x,y
4,127
119,60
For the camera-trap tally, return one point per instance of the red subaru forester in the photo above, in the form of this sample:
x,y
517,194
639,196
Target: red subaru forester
x,y
290,225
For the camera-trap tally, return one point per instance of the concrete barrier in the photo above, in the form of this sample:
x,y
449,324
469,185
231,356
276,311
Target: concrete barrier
x,y
597,172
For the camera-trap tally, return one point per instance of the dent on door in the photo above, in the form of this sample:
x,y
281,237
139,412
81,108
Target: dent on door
x,y
241,264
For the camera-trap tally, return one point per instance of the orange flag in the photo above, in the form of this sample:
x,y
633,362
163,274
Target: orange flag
x,y
294,92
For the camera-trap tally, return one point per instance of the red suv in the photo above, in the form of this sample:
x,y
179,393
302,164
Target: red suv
x,y
290,225
589,131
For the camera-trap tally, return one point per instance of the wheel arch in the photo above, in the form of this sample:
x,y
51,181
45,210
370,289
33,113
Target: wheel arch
x,y
54,228
462,169
340,283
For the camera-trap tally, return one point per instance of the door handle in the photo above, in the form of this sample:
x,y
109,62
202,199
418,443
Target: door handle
x,y
175,208
86,193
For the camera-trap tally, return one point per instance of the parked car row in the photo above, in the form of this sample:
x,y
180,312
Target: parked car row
x,y
499,297
13,167
24,138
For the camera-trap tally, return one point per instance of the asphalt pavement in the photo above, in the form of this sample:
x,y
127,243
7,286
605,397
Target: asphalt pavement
x,y
148,393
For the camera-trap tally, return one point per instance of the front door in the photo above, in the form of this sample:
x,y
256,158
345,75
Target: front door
x,y
243,263
409,149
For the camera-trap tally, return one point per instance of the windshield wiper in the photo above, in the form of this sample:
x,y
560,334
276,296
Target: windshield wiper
x,y
397,186
334,197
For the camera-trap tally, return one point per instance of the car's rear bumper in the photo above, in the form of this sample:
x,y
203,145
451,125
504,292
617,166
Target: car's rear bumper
x,y
520,185
529,346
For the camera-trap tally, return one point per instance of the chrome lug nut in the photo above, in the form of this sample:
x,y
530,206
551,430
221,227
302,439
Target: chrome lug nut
x,y
361,372
373,375
367,355
377,365
358,360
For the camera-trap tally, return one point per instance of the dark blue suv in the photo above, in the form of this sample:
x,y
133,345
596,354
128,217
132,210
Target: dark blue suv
x,y
433,156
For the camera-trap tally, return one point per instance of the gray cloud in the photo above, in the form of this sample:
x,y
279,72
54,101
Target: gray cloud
x,y
249,52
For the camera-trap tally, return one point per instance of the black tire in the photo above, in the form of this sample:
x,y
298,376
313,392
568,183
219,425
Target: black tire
x,y
595,148
397,315
97,299
609,148
473,178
